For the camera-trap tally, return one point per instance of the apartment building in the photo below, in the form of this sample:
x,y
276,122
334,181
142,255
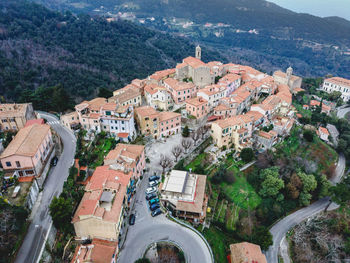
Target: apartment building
x,y
231,81
28,152
127,158
98,251
158,77
157,124
14,116
337,84
180,91
213,94
197,107
184,193
129,95
118,120
158,97
70,120
100,213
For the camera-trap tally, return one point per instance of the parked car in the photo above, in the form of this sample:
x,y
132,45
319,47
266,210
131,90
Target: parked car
x,y
54,161
154,178
154,206
151,196
132,219
156,212
151,190
153,183
154,201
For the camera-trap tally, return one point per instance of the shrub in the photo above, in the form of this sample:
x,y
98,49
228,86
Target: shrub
x,y
308,135
247,155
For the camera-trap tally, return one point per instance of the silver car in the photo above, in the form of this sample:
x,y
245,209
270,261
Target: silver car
x,y
151,190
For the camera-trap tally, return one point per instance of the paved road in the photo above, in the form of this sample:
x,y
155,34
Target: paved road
x,y
342,112
280,229
148,229
31,248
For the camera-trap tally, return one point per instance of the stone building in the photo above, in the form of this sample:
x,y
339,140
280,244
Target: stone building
x,y
287,78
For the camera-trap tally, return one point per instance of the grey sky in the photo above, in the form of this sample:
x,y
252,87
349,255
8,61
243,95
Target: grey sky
x,y
321,8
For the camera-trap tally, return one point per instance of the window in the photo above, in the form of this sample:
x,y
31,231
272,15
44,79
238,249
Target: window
x,y
122,122
18,164
146,119
4,120
8,164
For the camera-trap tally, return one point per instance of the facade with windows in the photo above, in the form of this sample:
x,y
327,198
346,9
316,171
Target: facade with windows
x,y
337,84
14,116
28,152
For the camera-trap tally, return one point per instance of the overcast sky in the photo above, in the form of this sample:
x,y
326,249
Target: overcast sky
x,y
317,7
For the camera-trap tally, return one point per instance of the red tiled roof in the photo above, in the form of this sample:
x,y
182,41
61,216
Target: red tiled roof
x,y
35,121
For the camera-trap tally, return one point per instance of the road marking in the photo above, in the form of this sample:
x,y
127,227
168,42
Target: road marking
x,y
53,122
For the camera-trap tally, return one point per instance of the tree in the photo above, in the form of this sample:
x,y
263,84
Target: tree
x,y
247,155
294,186
177,151
309,185
308,135
229,177
143,260
262,237
203,131
340,193
324,187
195,136
186,132
61,210
165,162
186,143
104,93
265,159
271,186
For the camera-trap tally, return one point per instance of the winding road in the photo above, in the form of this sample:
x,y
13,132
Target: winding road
x,y
280,229
33,244
342,112
148,229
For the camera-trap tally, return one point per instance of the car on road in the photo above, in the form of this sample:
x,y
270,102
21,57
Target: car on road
x,y
156,212
153,183
154,178
151,190
132,219
154,206
54,161
153,201
151,196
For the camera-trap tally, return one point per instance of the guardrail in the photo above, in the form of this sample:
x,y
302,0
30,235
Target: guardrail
x,y
197,232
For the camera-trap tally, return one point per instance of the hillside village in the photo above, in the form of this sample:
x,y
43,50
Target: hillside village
x,y
237,106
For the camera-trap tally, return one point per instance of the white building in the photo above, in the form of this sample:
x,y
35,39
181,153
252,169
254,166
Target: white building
x,y
118,121
338,84
158,97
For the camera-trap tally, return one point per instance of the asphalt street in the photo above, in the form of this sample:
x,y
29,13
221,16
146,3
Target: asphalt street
x,y
280,229
33,243
148,229
342,112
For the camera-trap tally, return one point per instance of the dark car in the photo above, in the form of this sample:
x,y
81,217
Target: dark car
x,y
154,207
153,178
156,212
151,196
54,161
132,219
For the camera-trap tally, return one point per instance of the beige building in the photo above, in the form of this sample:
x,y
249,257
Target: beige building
x,y
100,213
28,152
70,120
184,193
129,95
14,116
158,97
287,78
246,253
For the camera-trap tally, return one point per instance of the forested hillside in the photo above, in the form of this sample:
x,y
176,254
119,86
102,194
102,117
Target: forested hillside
x,y
42,48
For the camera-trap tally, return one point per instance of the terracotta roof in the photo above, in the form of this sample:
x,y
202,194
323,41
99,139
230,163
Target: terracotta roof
x,y
35,121
194,62
177,85
246,252
255,115
267,135
231,77
197,205
145,111
339,81
166,115
99,251
109,106
221,107
159,75
125,94
315,103
27,140
197,101
123,135
323,130
128,150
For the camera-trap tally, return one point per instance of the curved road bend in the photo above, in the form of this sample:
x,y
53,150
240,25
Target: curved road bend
x,y
33,243
342,112
280,229
148,230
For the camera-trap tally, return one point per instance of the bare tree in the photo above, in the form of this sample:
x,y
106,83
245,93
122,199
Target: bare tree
x,y
186,143
177,151
165,162
203,130
195,136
